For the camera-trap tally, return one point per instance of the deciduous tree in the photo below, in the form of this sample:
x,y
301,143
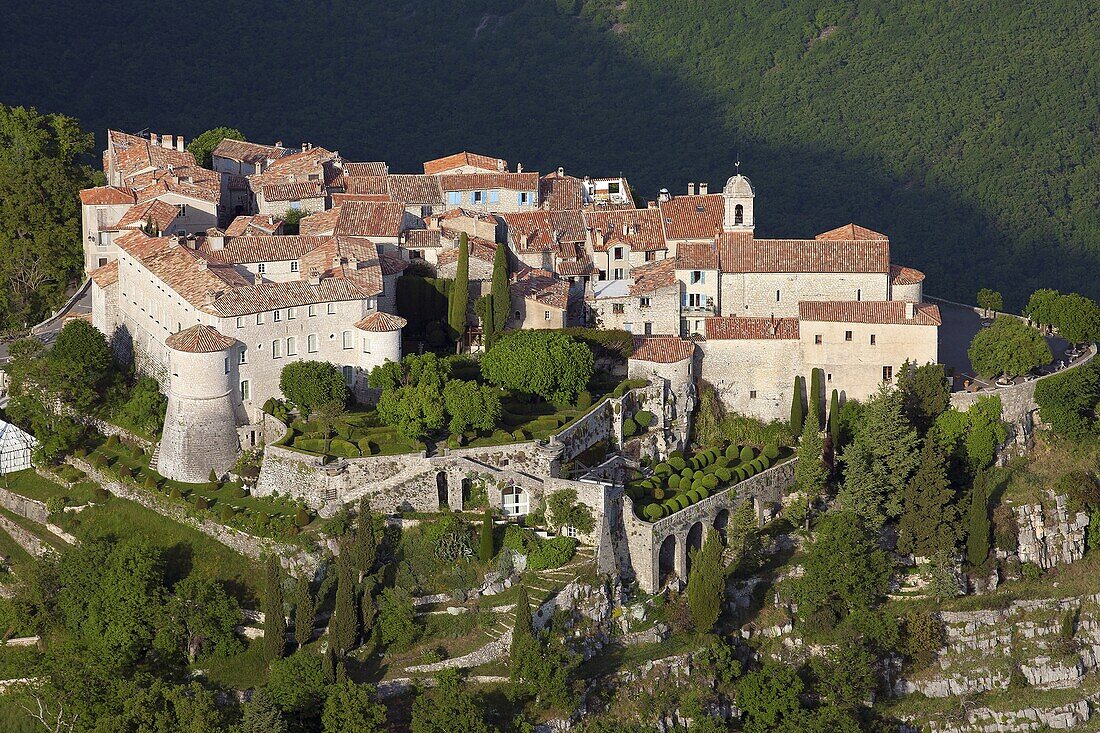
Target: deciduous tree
x,y
352,708
203,145
310,384
544,363
1009,347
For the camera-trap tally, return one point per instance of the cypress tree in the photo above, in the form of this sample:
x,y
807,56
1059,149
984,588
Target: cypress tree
x,y
523,627
810,474
524,649
929,518
364,546
796,406
304,612
706,585
344,625
813,400
460,289
274,618
367,608
834,419
328,665
485,548
977,539
501,295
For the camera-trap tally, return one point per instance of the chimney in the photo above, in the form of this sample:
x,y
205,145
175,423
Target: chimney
x,y
519,167
500,165
561,173
278,143
908,311
208,298
335,261
153,138
305,146
202,264
314,276
166,141
179,143
691,189
174,240
703,187
626,228
217,241
599,238
353,261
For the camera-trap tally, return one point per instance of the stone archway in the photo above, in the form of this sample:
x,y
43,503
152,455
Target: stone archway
x,y
694,542
441,489
721,521
666,561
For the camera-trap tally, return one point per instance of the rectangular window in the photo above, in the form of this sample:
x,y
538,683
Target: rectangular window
x,y
312,310
240,322
291,313
494,197
651,256
291,346
601,275
695,300
261,268
872,339
546,315
311,343
644,302
847,335
752,394
296,205
259,319
454,198
276,349
817,339
887,373
524,198
478,197
243,358
696,277
619,273
366,347
246,393
347,339
227,365
276,316
183,210
332,309
618,253
648,328
294,265
618,308
776,296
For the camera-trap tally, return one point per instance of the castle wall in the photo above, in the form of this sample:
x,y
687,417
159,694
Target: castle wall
x,y
754,294
753,377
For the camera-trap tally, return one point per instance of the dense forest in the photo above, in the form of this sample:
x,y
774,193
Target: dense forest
x,y
967,130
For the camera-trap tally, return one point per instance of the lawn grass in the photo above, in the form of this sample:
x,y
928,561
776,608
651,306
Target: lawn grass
x,y
29,484
35,528
634,656
185,549
13,719
16,555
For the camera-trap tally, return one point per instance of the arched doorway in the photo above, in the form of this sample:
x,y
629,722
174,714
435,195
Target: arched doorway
x,y
666,560
441,489
694,541
721,521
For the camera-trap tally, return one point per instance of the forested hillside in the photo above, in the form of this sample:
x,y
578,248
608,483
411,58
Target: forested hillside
x,y
968,130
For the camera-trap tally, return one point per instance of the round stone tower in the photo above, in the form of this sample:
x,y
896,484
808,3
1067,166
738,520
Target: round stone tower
x,y
381,336
200,432
739,195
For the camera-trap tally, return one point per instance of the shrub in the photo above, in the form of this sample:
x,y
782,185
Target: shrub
x,y
302,517
521,435
227,513
653,512
677,462
723,474
240,492
112,441
80,453
682,501
201,502
101,495
764,461
55,505
1031,571
150,483
176,494
686,474
658,493
747,454
703,493
630,428
749,469
99,460
733,453
137,452
584,400
343,448
662,469
644,418
694,496
771,451
710,481
124,471
551,553
674,481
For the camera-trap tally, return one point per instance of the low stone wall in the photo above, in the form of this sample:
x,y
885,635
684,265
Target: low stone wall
x,y
294,559
32,509
23,538
644,539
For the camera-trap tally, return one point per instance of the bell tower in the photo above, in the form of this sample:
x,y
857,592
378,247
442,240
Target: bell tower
x,y
738,195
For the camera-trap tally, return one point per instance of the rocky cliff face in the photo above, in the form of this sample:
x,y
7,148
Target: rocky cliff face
x,y
1049,534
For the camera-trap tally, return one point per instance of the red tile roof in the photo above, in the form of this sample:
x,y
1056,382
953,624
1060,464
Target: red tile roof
x,y
323,222
132,154
105,276
742,327
260,248
106,195
638,228
662,349
450,162
481,249
415,189
654,276
851,232
161,213
693,217
253,225
542,287
869,311
199,339
485,181
423,239
370,219
191,180
373,168
900,275
559,193
380,321
541,231
246,152
366,186
740,252
696,256
294,191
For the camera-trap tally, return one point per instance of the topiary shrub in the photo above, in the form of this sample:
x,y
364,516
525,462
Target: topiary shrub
x,y
686,474
747,454
240,492
150,483
682,501
662,469
710,481
722,461
644,418
749,469
112,441
693,496
79,453
771,451
226,513
201,502
733,453
302,517
124,471
630,428
674,481
765,462
521,435
176,494
653,512
677,462
658,493
137,452
703,493
584,400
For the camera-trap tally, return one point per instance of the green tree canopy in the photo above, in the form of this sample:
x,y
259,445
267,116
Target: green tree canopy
x,y
925,393
929,517
1009,347
448,708
460,289
351,708
1068,401
1077,318
1042,306
471,405
990,300
203,145
500,293
310,384
706,586
545,363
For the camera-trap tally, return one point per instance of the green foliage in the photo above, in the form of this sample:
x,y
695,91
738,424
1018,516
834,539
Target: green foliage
x,y
1068,401
203,145
1009,347
422,301
396,623
448,708
344,624
292,220
1042,307
262,715
990,300
815,395
485,543
310,384
304,611
202,620
296,685
972,437
769,696
929,518
351,708
923,635
978,525
544,363
460,289
925,393
500,294
565,511
274,618
810,474
471,405
1077,318
797,413
706,587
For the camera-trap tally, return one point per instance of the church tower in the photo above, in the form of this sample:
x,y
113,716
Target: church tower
x,y
738,195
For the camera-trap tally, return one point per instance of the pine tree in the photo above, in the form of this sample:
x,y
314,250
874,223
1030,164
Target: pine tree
x,y
796,405
304,612
810,473
344,624
501,295
929,520
262,715
485,547
813,400
274,613
706,587
977,539
460,289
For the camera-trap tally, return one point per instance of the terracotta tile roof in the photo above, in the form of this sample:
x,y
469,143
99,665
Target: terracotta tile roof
x,y
415,189
580,266
366,186
662,349
321,223
869,311
199,339
391,265
363,283
460,213
750,328
692,217
294,191
370,219
740,252
557,193
105,276
132,154
374,168
450,162
381,321
901,275
542,231
304,162
260,248
696,256
253,225
485,181
654,276
642,231
161,213
189,180
106,195
481,249
851,232
246,152
542,287
423,239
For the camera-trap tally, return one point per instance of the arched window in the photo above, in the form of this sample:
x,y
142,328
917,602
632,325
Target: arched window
x,y
514,501
739,214
349,375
